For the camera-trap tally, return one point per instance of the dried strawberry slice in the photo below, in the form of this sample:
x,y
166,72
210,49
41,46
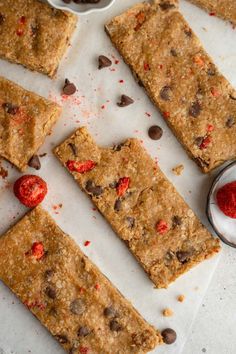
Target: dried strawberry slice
x,y
161,227
206,141
30,190
80,166
122,186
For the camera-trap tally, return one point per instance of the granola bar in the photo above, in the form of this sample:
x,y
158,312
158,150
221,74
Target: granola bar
x,y
68,294
25,120
142,206
196,101
34,34
225,9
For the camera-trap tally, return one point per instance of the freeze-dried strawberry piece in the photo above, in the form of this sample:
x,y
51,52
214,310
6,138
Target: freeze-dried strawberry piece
x,y
161,227
80,166
206,141
226,199
84,350
122,186
37,250
30,190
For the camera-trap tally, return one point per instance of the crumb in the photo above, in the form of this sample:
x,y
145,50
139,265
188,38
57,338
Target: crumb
x,y
42,155
178,170
167,312
3,172
181,298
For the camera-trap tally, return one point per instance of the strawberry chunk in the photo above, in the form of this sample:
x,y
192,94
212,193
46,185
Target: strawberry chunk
x,y
30,190
122,186
80,166
206,141
161,227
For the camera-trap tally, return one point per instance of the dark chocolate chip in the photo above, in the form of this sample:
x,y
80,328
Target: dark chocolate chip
x,y
211,71
188,32
117,147
62,338
195,109
183,256
2,18
199,140
230,122
130,221
115,326
103,62
73,148
117,205
166,5
165,93
50,292
34,162
77,307
48,274
10,108
109,312
169,336
83,331
96,191
69,88
176,221
155,132
173,52
125,101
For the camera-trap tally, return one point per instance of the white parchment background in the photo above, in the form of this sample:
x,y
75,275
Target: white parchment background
x,y
20,332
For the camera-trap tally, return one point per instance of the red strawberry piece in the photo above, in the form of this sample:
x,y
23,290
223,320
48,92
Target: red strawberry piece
x,y
226,199
206,141
80,166
37,250
84,350
122,186
210,128
166,114
30,190
161,227
146,66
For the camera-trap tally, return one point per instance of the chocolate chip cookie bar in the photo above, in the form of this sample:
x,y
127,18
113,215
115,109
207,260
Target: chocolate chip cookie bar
x,y
34,34
142,206
67,293
25,120
167,58
226,9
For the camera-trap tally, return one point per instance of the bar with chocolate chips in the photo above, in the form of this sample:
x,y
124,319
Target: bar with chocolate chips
x,y
68,293
25,120
196,101
34,34
142,206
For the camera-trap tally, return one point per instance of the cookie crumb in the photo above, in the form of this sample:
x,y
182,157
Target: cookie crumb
x,y
181,298
168,312
178,170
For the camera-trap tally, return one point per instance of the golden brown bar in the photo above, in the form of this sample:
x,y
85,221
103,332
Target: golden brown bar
x,y
226,9
69,295
34,34
142,206
25,120
197,102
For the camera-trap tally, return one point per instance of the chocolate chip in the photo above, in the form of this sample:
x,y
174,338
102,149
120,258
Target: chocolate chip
x,y
34,29
173,52
130,221
211,71
48,274
62,338
195,109
125,101
73,148
115,326
96,191
165,93
2,19
109,312
50,292
117,205
83,331
169,256
176,221
199,140
169,336
117,147
230,122
103,62
183,256
155,132
69,88
188,32
77,307
166,5
10,108
34,162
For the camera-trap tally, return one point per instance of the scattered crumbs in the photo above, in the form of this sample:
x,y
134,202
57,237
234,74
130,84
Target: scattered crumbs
x,y
178,170
204,350
112,69
94,209
42,155
56,207
148,114
212,14
168,312
204,29
3,172
181,298
121,81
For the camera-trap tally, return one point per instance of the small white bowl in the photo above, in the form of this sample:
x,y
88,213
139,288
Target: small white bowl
x,y
82,9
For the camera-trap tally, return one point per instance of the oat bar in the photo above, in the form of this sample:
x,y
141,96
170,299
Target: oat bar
x,y
67,293
25,120
34,34
141,205
196,101
225,9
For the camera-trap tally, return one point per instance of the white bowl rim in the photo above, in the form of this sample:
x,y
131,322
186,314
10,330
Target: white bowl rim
x,y
86,12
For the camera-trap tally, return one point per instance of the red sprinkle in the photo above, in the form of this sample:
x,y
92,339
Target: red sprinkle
x,y
161,227
87,243
206,141
80,166
226,199
30,190
122,186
